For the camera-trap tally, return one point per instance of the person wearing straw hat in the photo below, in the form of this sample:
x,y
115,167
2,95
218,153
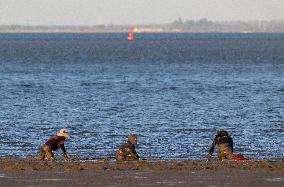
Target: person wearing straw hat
x,y
127,150
55,142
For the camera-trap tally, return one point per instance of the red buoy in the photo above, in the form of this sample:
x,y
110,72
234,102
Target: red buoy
x,y
131,34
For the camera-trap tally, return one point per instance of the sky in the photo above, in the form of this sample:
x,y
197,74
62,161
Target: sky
x,y
94,12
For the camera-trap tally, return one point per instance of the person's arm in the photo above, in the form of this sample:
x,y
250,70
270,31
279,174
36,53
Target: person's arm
x,y
134,153
231,143
211,150
64,152
131,152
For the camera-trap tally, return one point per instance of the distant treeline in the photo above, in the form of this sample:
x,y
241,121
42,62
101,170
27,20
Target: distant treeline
x,y
202,25
41,28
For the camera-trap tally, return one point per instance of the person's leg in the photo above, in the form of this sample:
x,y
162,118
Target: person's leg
x,y
119,155
225,152
49,156
229,154
221,154
41,154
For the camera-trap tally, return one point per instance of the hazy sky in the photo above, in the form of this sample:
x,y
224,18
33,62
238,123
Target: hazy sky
x,y
92,12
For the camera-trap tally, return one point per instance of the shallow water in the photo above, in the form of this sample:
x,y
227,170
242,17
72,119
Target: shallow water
x,y
173,90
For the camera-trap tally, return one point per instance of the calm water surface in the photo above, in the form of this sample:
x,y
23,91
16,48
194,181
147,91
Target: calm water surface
x,y
173,90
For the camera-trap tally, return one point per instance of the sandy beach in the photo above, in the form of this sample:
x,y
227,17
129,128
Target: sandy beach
x,y
105,172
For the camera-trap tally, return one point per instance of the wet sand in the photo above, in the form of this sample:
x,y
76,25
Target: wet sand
x,y
104,172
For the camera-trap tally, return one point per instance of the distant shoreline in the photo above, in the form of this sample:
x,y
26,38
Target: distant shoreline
x,y
125,32
191,26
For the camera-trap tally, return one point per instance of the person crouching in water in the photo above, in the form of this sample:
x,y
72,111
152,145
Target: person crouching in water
x,y
55,142
225,146
127,150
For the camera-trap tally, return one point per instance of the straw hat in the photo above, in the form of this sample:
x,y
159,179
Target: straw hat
x,y
64,133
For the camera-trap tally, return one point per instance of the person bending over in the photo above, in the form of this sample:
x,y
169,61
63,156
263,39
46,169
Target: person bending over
x,y
127,150
47,150
225,146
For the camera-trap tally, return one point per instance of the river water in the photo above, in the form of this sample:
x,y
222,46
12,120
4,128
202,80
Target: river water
x,y
173,90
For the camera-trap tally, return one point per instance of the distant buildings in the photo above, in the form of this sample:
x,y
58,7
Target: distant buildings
x,y
148,29
202,25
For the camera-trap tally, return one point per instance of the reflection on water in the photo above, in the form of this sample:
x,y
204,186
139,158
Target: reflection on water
x,y
173,90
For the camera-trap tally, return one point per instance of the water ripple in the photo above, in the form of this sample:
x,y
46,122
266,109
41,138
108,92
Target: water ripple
x,y
174,94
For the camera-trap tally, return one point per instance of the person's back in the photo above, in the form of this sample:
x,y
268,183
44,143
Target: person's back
x,y
55,142
127,150
225,146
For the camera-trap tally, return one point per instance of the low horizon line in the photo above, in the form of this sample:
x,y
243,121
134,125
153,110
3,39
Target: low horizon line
x,y
140,24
